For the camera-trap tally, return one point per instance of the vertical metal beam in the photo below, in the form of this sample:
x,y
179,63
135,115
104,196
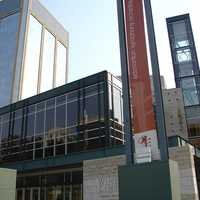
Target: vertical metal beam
x,y
161,129
129,141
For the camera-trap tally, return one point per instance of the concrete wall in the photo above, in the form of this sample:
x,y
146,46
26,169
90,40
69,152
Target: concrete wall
x,y
185,159
7,184
100,178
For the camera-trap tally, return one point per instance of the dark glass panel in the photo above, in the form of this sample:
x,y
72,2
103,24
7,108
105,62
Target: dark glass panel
x,y
75,147
91,90
27,194
39,129
30,125
60,150
6,117
61,116
5,131
38,153
17,128
19,194
72,96
50,103
49,151
50,120
110,101
102,106
77,177
32,181
40,106
91,109
61,100
55,179
67,193
76,192
68,178
72,113
31,109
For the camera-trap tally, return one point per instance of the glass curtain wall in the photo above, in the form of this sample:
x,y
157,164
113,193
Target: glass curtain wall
x,y
115,110
72,122
47,62
32,57
8,49
61,64
184,58
40,66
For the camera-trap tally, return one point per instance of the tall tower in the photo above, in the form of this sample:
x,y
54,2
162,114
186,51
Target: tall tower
x,y
33,50
186,70
184,57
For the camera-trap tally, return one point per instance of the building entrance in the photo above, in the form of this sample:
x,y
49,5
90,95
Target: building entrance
x,y
28,194
50,186
50,193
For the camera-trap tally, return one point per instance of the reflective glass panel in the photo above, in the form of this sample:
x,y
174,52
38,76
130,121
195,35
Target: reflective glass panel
x,y
184,55
8,39
31,66
189,91
91,112
61,64
117,105
186,69
47,62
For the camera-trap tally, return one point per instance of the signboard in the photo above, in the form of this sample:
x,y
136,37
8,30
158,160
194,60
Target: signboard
x,y
139,80
147,141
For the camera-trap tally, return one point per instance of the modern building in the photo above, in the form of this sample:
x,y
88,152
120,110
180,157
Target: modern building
x,y
32,44
43,135
186,70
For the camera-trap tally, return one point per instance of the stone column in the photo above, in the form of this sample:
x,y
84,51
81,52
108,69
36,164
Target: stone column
x,y
184,156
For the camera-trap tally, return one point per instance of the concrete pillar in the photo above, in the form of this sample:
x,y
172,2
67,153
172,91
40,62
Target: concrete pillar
x,y
7,184
184,156
100,178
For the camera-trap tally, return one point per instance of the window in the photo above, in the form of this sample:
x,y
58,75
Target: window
x,y
184,55
186,69
91,112
31,65
61,64
47,62
72,113
190,93
117,105
30,124
8,35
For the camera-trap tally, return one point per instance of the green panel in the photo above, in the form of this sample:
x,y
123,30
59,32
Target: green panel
x,y
149,181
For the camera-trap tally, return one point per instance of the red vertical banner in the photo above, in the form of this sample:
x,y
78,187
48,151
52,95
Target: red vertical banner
x,y
140,87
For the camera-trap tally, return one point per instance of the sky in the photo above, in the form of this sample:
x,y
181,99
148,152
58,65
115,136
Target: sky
x,y
93,33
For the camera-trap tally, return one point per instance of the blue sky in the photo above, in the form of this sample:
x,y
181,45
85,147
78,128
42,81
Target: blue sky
x,y
92,25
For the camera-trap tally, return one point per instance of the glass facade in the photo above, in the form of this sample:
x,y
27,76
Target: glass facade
x,y
53,186
186,70
48,62
40,64
8,50
70,121
61,64
186,67
32,58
